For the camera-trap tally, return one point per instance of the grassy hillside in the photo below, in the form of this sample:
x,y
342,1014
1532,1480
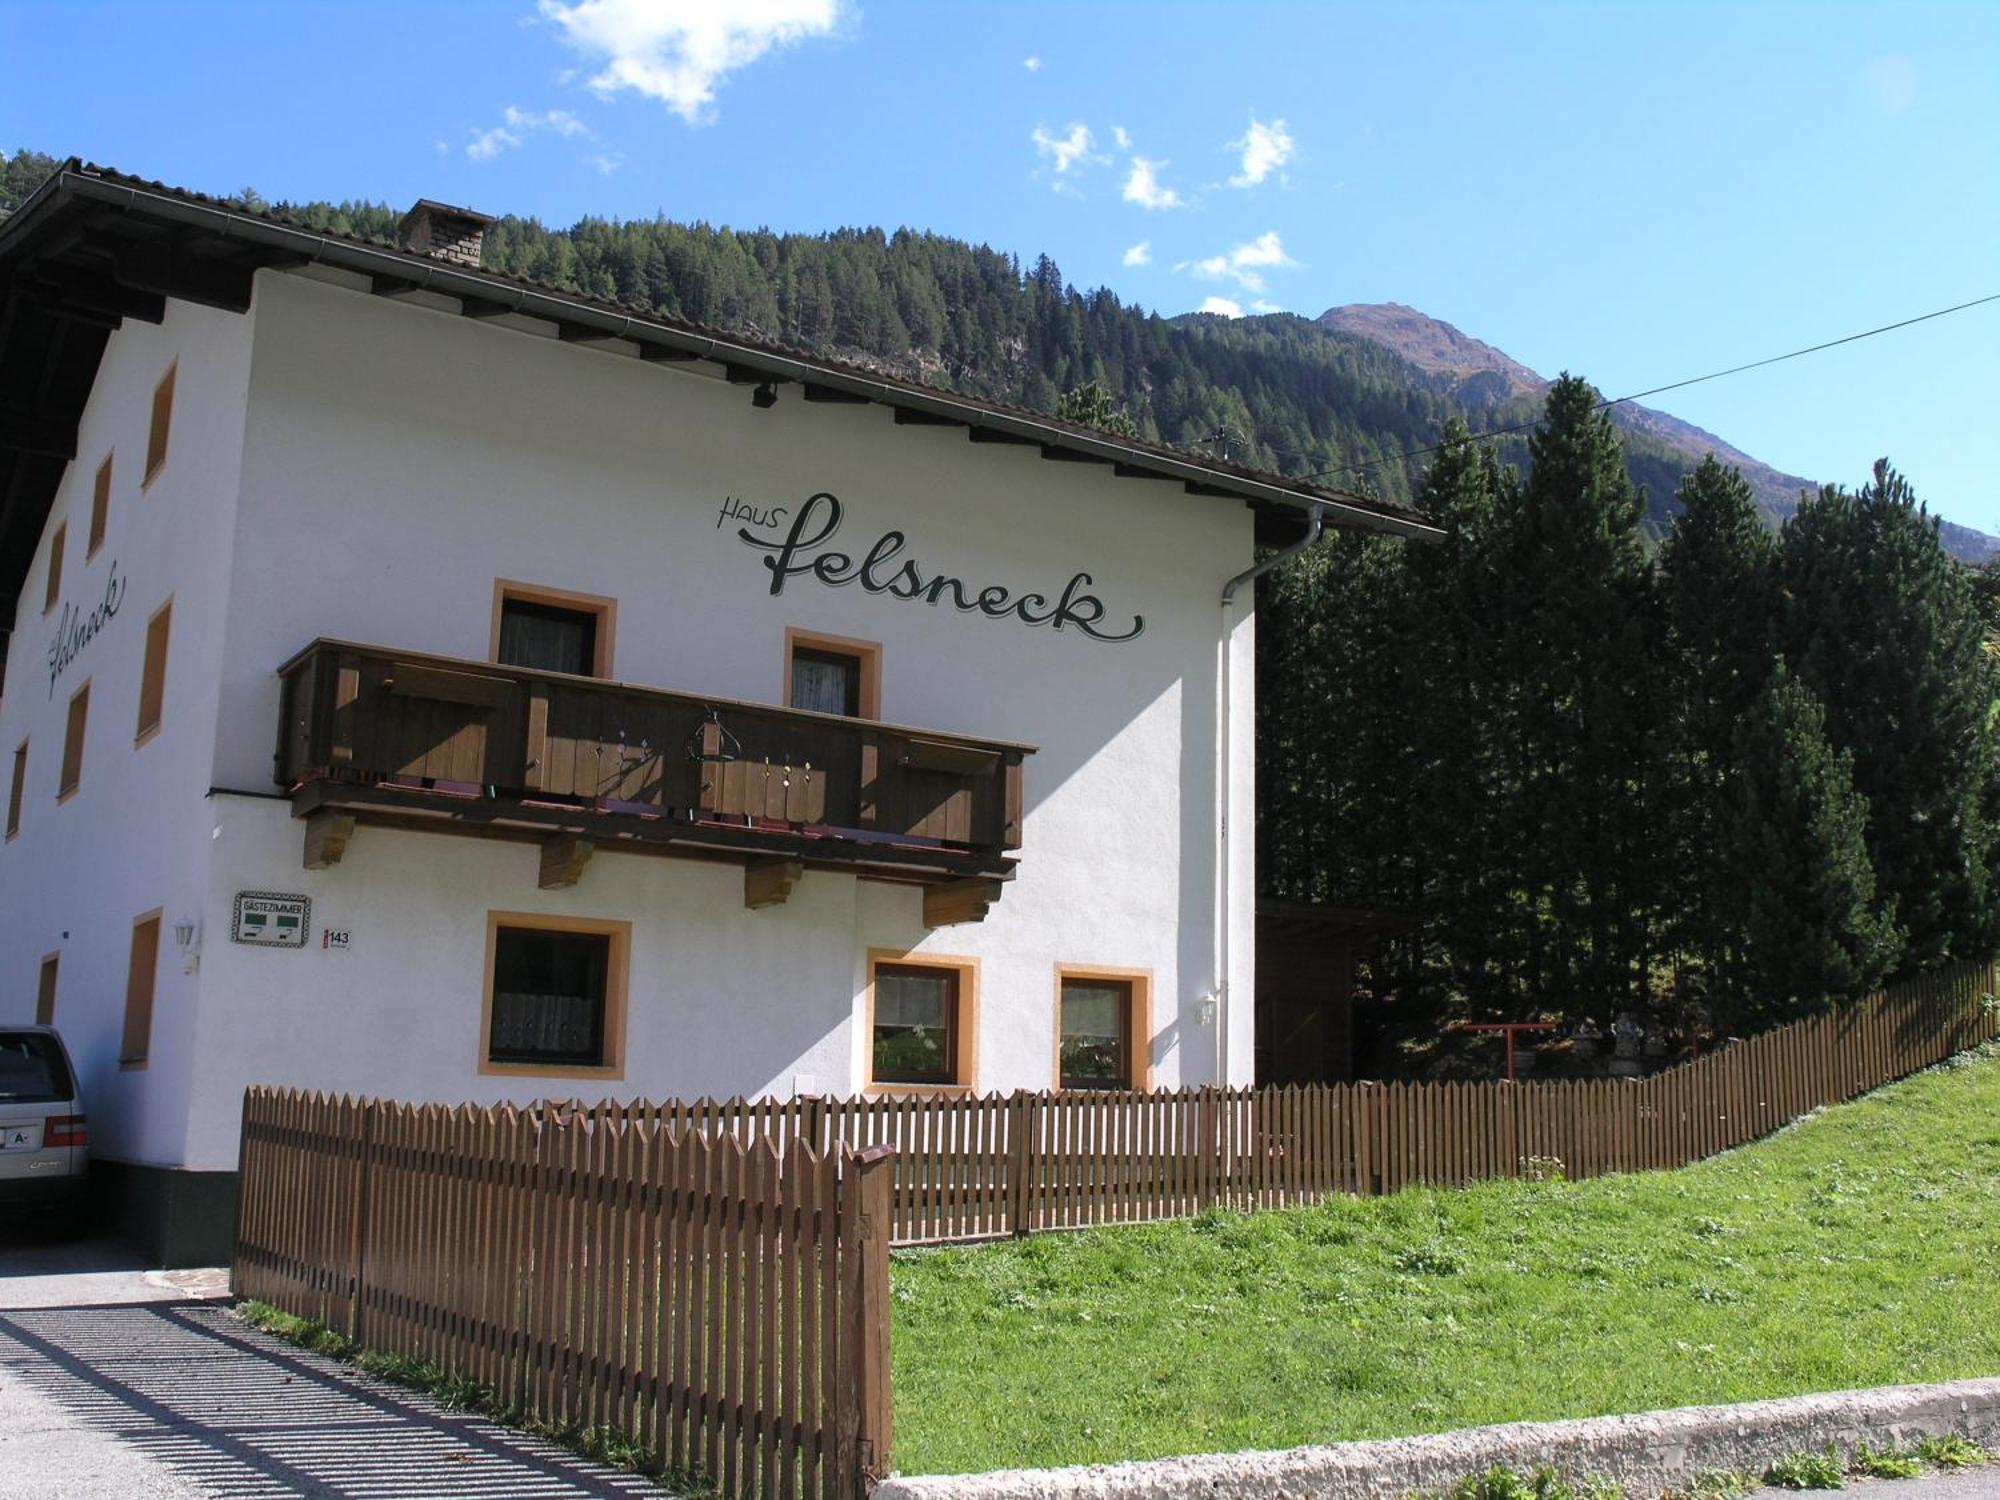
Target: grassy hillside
x,y
1852,1249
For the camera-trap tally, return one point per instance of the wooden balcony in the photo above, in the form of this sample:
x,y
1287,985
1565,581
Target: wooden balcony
x,y
370,735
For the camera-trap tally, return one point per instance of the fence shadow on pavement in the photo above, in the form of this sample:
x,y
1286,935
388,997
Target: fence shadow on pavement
x,y
243,1415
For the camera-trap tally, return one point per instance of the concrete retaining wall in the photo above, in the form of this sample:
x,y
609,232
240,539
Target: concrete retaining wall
x,y
1647,1453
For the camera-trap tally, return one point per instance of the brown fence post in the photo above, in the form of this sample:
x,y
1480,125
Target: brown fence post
x,y
364,1159
1020,1132
243,1181
864,1214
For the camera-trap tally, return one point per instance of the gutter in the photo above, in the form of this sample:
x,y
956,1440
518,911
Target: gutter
x,y
424,274
1224,766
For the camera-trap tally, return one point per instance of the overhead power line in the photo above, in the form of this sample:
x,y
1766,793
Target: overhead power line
x,y
1755,364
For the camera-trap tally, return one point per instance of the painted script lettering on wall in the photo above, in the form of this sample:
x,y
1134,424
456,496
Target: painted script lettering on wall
x,y
75,629
803,551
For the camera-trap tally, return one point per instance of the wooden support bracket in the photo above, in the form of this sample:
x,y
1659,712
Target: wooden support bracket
x,y
563,857
958,901
767,882
327,833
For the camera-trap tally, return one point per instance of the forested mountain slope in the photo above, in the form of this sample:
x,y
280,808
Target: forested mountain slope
x,y
1331,397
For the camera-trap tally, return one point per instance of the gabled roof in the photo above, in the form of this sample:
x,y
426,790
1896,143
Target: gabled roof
x,y
93,246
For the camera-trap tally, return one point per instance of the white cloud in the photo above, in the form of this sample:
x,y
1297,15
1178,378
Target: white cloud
x,y
516,125
1893,82
488,144
1261,306
1244,264
606,162
1070,150
1032,64
561,121
1221,305
1140,254
680,51
1124,140
1264,148
1144,187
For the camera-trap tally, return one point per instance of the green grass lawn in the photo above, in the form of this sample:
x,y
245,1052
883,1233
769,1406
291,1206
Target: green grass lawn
x,y
1856,1248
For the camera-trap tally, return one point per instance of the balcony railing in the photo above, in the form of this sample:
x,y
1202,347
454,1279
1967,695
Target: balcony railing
x,y
403,737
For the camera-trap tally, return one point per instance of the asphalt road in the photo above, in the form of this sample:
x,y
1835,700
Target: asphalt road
x,y
1966,1484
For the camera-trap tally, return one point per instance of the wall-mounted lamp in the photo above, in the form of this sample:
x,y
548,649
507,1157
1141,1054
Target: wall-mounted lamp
x,y
765,396
187,938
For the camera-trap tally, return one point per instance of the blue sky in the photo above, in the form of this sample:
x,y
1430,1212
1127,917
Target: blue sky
x,y
1638,193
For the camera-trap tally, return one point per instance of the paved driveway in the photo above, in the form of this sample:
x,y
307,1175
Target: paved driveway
x,y
179,1399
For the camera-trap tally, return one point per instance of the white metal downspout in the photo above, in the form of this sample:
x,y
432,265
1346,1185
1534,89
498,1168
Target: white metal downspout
x,y
1224,765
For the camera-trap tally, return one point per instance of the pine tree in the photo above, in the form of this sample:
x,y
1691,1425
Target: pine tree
x,y
1718,598
1883,626
1813,932
1091,405
1574,661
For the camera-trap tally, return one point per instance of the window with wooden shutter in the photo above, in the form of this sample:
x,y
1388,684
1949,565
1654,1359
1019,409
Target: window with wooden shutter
x,y
153,679
72,757
17,789
45,991
163,418
52,590
136,1045
100,507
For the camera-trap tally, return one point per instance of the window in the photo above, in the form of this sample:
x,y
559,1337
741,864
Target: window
x,y
833,675
156,435
552,630
921,1022
1103,1028
32,1071
18,788
72,761
53,593
555,994
45,991
138,1039
153,681
100,507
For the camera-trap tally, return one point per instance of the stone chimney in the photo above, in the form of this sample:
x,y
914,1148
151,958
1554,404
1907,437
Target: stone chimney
x,y
443,232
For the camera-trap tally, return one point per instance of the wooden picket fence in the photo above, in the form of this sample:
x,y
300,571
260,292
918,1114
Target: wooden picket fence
x,y
722,1299
1010,1164
712,1277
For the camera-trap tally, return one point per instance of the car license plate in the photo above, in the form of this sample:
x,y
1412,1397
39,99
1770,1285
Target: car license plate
x,y
21,1137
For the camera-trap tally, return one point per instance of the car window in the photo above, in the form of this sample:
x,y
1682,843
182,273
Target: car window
x,y
31,1068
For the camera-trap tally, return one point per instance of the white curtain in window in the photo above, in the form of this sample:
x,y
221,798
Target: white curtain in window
x,y
820,685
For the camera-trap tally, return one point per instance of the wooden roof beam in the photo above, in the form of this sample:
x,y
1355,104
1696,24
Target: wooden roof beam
x,y
834,394
29,434
1073,456
910,416
997,435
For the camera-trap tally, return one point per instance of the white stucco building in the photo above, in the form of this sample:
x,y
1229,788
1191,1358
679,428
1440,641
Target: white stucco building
x,y
654,712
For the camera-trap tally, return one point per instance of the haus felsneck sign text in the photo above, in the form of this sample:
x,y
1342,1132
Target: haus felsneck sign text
x,y
75,629
803,552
